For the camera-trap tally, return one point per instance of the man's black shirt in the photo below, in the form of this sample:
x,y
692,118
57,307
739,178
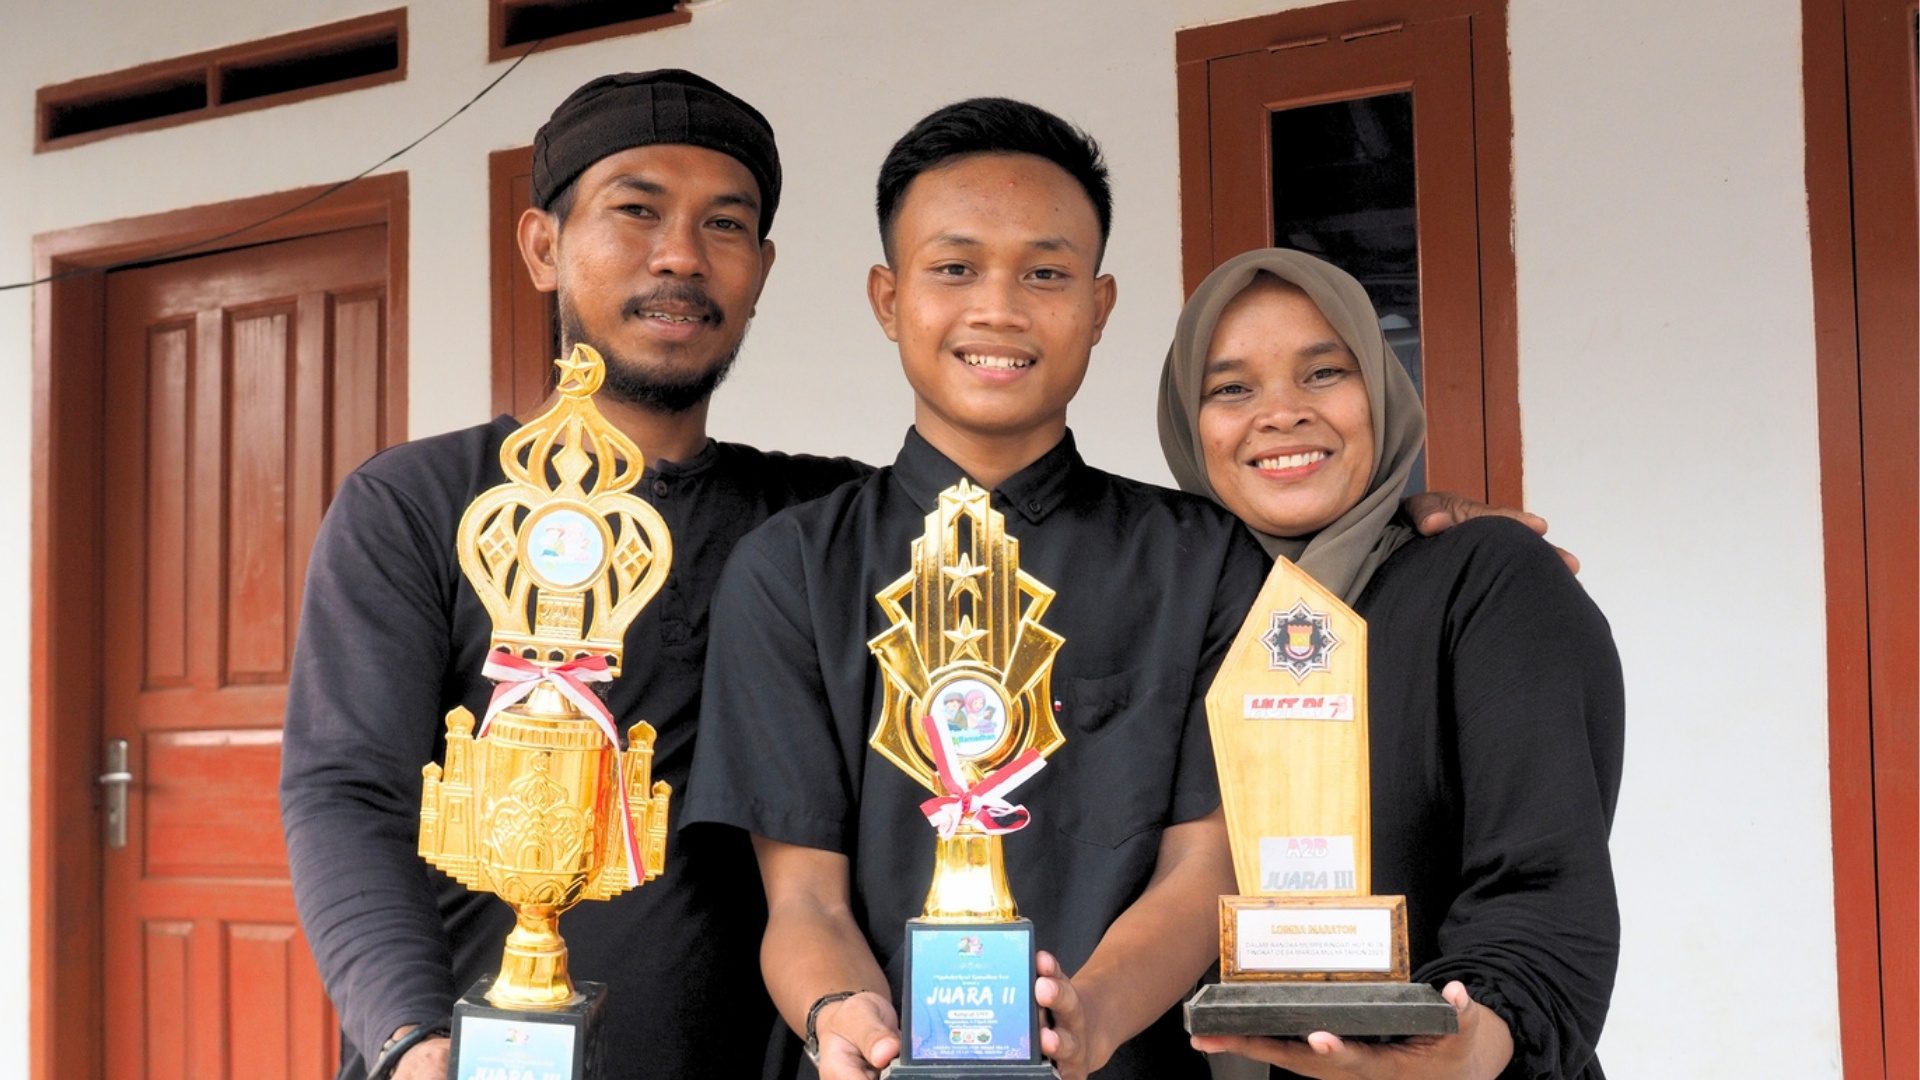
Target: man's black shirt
x,y
1150,587
392,637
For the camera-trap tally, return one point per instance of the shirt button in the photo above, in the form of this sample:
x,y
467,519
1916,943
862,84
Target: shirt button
x,y
660,488
1033,507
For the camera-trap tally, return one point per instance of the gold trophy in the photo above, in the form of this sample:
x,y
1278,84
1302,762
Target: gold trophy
x,y
541,806
1306,947
967,669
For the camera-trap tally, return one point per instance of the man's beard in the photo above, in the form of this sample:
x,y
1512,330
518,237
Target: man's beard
x,y
629,380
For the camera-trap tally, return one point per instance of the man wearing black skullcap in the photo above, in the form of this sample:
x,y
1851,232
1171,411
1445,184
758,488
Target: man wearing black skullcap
x,y
654,195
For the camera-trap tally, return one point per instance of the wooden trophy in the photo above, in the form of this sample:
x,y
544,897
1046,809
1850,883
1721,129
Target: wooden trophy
x,y
1306,946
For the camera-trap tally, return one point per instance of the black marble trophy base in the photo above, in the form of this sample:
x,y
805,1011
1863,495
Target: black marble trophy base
x,y
955,1070
564,1043
1388,1009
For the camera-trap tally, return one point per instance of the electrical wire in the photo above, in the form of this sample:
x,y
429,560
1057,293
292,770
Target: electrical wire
x,y
324,193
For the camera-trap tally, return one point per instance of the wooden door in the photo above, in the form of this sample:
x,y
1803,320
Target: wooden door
x,y
1438,67
240,388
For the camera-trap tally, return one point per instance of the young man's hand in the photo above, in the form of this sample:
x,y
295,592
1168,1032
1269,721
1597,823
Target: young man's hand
x,y
1071,1040
858,1037
1478,1051
1437,511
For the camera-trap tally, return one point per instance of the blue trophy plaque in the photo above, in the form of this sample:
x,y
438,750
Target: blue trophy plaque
x,y
969,996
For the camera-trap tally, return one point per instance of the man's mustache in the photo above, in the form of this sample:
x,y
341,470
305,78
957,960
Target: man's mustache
x,y
679,297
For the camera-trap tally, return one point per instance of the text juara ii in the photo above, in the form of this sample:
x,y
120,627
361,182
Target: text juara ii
x,y
543,805
966,669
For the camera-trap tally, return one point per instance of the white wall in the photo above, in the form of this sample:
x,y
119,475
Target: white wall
x,y
1665,333
1667,393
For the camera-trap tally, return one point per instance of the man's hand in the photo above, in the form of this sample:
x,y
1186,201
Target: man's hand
x,y
426,1061
1437,511
1478,1051
1070,1040
858,1037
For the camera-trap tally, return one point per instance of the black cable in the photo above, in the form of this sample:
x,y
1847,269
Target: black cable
x,y
297,207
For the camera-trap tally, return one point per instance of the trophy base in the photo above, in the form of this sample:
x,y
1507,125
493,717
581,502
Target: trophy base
x,y
968,1011
561,1044
1389,1009
963,1070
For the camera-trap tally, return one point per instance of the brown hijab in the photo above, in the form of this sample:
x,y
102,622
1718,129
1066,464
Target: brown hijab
x,y
1344,555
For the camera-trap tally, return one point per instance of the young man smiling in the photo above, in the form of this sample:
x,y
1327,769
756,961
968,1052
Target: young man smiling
x,y
994,215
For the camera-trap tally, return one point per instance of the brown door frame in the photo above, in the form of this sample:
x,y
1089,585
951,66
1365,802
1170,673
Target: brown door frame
x,y
1869,553
1196,48
523,337
65,965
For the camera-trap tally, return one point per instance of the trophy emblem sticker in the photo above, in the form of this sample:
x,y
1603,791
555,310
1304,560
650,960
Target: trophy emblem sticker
x,y
564,548
1300,640
975,714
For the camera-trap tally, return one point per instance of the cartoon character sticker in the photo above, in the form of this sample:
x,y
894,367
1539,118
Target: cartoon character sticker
x,y
564,548
974,714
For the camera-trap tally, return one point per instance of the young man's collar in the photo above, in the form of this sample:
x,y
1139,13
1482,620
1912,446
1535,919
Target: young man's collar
x,y
1033,492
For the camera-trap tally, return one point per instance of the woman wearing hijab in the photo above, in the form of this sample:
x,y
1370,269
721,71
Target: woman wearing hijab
x,y
1496,701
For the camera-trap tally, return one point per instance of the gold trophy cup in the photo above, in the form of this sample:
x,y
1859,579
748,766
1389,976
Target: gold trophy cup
x,y
541,806
1306,947
967,672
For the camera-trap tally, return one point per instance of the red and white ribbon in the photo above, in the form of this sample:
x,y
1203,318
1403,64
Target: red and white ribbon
x,y
517,678
985,802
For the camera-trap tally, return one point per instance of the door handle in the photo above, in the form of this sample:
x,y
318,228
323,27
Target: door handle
x,y
114,783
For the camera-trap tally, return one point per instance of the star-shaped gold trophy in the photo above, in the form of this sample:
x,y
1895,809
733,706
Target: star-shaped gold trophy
x,y
542,806
1306,947
967,712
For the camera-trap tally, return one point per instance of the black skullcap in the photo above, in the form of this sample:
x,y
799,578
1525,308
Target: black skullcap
x,y
618,112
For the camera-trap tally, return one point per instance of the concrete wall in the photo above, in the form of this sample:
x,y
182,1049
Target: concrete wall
x,y
1665,333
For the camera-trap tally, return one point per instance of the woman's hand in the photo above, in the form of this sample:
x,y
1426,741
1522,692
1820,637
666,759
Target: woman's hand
x,y
1478,1051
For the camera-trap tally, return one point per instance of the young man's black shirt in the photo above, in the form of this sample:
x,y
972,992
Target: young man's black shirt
x,y
1150,587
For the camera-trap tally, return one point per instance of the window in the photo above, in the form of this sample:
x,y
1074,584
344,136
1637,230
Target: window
x,y
327,59
516,24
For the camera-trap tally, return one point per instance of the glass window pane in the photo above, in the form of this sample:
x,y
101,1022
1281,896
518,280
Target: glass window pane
x,y
1343,189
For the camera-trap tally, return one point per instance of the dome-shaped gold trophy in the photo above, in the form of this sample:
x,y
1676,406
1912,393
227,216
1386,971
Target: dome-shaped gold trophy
x,y
1306,947
541,806
967,670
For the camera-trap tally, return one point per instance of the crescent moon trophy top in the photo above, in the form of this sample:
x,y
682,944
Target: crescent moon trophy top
x,y
562,555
